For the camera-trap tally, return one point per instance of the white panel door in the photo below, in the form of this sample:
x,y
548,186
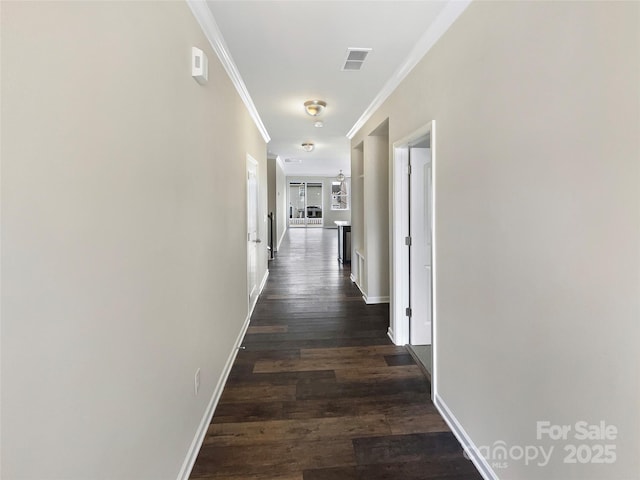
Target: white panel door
x,y
420,251
252,229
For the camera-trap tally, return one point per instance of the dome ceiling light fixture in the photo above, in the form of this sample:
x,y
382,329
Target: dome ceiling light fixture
x,y
340,177
308,146
314,107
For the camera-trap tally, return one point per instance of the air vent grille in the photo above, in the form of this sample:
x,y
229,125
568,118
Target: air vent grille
x,y
355,58
357,55
349,65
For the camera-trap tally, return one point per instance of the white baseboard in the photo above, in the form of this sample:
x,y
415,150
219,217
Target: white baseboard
x,y
391,336
196,444
463,437
260,288
353,278
194,449
281,238
372,300
264,281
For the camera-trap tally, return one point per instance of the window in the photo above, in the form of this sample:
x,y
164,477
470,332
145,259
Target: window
x,y
339,196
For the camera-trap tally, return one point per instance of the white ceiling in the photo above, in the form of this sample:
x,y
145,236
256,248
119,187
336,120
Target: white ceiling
x,y
288,52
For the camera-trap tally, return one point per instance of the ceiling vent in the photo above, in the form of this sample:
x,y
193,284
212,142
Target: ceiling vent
x,y
355,58
292,160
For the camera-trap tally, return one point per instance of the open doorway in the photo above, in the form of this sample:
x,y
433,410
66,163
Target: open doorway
x,y
412,312
253,237
305,204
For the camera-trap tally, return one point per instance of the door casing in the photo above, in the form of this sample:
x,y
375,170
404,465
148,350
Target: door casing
x,y
253,233
399,258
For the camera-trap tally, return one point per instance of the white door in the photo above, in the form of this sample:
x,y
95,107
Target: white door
x,y
420,250
252,229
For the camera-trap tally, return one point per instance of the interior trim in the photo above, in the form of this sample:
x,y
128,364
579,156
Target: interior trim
x,y
471,450
194,449
447,16
373,300
210,28
196,444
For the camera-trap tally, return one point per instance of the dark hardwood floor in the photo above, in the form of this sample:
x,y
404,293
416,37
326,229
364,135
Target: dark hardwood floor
x,y
320,393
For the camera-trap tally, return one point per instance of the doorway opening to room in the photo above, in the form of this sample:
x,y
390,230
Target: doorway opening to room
x,y
412,293
253,230
305,204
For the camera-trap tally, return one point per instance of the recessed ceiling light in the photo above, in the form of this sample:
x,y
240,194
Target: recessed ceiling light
x,y
318,124
314,107
308,146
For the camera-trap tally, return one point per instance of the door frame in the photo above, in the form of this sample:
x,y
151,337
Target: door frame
x,y
291,181
252,163
399,258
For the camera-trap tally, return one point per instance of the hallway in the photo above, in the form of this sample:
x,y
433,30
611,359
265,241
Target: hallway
x,y
319,392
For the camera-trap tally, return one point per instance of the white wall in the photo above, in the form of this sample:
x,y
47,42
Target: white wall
x,y
537,222
123,251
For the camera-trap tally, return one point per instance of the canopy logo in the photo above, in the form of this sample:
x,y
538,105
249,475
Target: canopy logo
x,y
583,443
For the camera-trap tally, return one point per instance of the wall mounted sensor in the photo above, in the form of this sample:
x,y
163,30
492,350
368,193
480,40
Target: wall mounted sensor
x,y
199,66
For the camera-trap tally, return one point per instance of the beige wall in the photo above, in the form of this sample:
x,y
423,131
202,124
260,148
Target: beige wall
x,y
370,214
376,217
538,222
357,212
277,199
281,202
272,195
123,252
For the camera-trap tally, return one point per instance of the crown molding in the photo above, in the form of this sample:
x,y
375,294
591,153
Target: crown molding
x,y
210,28
445,19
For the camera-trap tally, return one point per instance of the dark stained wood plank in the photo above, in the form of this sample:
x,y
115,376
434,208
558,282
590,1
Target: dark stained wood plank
x,y
248,412
274,459
281,378
277,431
350,352
406,448
394,407
430,422
401,359
266,474
459,468
303,365
319,391
267,329
369,374
266,393
312,390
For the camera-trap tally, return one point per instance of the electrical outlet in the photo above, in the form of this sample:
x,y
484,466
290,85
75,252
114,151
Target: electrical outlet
x,y
196,383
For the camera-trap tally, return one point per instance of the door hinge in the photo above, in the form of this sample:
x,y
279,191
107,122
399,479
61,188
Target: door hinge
x,y
407,241
409,169
407,311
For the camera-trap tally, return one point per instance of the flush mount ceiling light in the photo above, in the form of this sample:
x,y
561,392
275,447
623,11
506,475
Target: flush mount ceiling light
x,y
340,176
319,124
308,146
314,107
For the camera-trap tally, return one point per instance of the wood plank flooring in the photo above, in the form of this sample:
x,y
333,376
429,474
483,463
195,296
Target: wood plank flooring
x,y
320,393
